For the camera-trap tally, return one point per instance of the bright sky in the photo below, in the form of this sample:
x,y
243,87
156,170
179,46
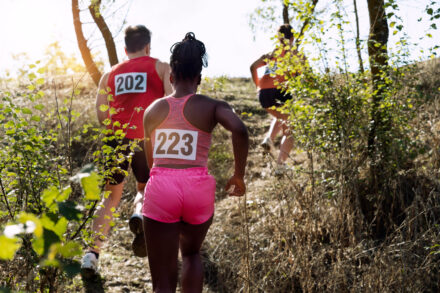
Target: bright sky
x,y
30,26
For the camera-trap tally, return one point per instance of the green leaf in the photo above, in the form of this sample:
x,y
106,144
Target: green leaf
x,y
32,76
39,107
90,184
70,249
61,227
49,238
5,290
49,196
103,107
31,87
26,111
36,118
38,245
8,247
69,211
39,94
64,194
71,268
106,122
40,81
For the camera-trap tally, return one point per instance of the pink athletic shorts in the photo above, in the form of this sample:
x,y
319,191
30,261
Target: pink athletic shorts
x,y
174,195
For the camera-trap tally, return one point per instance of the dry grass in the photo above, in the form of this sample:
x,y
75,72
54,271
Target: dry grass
x,y
285,236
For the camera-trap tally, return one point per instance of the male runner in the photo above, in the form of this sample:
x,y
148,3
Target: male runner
x,y
134,84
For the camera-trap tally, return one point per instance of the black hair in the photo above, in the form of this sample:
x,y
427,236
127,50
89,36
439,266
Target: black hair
x,y
187,58
136,38
286,31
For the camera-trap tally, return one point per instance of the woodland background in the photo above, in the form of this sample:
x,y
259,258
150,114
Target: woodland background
x,y
358,211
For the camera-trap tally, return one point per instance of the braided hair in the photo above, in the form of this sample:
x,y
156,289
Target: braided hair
x,y
188,57
286,31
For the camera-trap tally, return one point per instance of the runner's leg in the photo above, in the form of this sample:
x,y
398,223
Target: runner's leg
x,y
142,174
163,247
274,129
139,199
285,148
191,239
104,214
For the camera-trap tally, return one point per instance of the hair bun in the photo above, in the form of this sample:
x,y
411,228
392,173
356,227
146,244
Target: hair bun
x,y
189,37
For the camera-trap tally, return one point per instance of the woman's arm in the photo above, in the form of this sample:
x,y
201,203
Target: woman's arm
x,y
240,142
257,64
148,147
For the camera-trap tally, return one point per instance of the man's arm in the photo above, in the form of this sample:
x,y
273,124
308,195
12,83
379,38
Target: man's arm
x,y
101,98
164,70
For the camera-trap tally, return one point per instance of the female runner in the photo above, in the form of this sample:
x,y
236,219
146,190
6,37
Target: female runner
x,y
179,196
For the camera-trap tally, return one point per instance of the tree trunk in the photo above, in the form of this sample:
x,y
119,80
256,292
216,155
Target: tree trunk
x,y
82,44
285,12
378,56
381,196
95,11
358,43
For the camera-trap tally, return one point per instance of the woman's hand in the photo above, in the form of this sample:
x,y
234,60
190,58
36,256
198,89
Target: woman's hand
x,y
235,186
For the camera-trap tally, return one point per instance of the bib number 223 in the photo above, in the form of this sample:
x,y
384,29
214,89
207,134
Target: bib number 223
x,y
175,144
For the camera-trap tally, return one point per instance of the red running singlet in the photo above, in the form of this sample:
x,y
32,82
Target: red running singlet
x,y
176,141
134,85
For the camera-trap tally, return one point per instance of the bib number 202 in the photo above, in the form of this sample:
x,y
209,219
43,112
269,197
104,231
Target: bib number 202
x,y
175,144
132,82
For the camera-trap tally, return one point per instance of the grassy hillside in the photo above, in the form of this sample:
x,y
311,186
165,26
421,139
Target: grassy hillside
x,y
286,234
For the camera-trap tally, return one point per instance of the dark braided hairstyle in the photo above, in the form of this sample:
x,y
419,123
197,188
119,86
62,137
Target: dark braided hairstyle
x,y
187,58
286,31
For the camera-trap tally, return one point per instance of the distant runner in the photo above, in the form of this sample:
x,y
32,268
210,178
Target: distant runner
x,y
134,84
179,197
270,96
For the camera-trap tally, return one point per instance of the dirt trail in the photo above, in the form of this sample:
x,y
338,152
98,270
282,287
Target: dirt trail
x,y
120,270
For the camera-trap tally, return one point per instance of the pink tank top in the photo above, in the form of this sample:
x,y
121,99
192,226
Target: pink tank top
x,y
176,141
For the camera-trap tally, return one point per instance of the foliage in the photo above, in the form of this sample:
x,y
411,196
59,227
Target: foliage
x,y
44,213
343,221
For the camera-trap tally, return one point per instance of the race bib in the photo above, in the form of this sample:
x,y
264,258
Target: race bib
x,y
132,82
270,70
175,144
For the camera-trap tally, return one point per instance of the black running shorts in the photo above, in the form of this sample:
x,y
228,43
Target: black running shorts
x,y
138,161
272,97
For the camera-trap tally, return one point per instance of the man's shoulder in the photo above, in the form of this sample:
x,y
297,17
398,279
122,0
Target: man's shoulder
x,y
162,64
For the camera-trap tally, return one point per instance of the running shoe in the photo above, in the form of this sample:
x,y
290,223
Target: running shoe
x,y
138,245
89,265
267,144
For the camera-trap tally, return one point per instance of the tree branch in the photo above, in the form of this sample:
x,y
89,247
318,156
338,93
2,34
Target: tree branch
x,y
82,44
94,9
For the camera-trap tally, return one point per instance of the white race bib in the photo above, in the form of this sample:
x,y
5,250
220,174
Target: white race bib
x,y
175,144
132,82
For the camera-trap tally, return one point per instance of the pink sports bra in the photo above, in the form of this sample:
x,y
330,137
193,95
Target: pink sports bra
x,y
176,141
